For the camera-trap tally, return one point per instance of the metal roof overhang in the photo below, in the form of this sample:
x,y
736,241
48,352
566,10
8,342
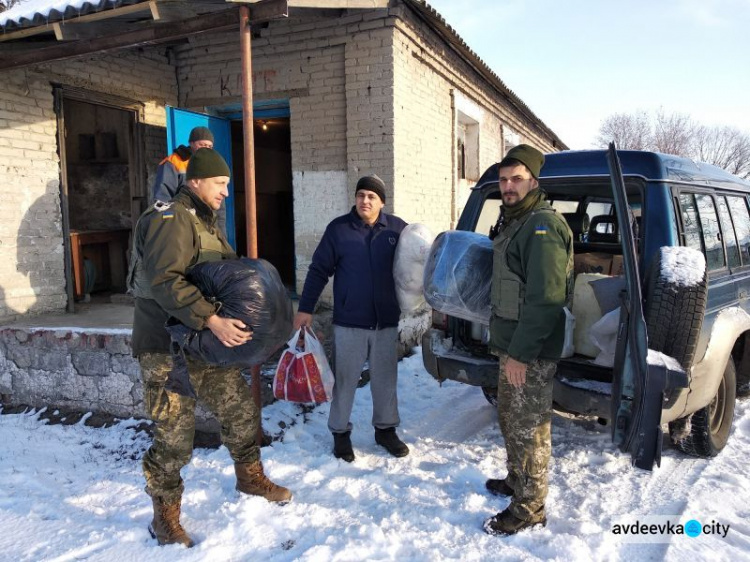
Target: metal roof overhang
x,y
97,27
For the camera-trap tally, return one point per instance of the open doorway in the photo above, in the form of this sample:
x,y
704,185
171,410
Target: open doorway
x,y
99,187
273,192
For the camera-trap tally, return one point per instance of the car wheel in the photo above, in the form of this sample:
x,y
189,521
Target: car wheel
x,y
490,393
709,427
674,314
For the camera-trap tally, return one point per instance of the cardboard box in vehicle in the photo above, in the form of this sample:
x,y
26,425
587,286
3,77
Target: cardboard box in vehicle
x,y
593,262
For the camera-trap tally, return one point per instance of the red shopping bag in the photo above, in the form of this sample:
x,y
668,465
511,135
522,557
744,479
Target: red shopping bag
x,y
303,374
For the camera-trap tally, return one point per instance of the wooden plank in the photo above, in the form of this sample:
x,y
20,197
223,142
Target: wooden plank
x,y
78,31
104,14
269,10
153,35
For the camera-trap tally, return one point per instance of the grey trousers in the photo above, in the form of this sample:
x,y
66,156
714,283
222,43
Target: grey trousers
x,y
352,347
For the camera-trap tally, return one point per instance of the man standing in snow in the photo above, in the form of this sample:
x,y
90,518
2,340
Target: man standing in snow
x,y
531,283
169,239
358,248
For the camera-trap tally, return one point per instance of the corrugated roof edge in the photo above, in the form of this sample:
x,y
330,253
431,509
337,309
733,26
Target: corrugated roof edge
x,y
30,17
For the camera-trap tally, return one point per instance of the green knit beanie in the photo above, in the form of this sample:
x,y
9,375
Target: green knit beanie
x,y
526,155
206,163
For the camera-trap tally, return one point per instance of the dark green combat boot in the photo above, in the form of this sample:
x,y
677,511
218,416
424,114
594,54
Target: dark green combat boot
x,y
505,523
499,487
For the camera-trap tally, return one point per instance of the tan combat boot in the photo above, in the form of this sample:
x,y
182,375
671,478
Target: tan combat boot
x,y
252,480
165,527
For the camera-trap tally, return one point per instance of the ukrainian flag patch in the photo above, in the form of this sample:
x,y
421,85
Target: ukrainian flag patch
x,y
540,230
167,215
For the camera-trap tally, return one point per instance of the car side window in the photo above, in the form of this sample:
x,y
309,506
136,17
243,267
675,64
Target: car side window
x,y
741,218
488,216
690,223
711,232
727,229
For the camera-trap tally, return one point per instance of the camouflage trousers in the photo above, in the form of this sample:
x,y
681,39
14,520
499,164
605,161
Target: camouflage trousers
x,y
227,395
525,416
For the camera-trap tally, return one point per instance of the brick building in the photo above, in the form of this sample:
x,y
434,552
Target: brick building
x,y
338,93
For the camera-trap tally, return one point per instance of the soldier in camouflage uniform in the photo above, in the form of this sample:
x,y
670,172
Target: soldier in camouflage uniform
x,y
169,239
531,283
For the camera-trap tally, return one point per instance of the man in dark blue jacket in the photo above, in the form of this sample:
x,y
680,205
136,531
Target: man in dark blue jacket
x,y
358,249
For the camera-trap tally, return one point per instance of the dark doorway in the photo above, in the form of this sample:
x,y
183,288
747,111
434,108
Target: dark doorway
x,y
99,180
273,192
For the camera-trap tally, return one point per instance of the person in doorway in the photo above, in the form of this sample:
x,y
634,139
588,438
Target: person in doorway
x,y
170,175
168,240
531,283
358,250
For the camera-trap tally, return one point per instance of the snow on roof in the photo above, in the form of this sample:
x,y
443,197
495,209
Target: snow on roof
x,y
38,12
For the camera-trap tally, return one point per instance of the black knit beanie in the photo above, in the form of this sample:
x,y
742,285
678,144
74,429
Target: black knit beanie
x,y
372,183
526,155
201,133
206,163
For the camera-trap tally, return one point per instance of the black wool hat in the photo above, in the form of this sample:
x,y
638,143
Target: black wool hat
x,y
201,133
206,163
526,155
372,183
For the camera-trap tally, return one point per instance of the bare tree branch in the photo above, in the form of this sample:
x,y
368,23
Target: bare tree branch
x,y
628,131
677,133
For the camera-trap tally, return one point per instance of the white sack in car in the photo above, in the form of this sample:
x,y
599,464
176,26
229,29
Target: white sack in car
x,y
603,334
458,275
412,251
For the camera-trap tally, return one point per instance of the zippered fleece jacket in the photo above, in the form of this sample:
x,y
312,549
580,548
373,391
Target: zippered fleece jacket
x,y
360,259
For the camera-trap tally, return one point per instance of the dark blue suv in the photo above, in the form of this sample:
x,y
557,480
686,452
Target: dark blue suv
x,y
631,212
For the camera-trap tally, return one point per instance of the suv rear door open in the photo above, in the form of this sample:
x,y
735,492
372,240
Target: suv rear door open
x,y
638,385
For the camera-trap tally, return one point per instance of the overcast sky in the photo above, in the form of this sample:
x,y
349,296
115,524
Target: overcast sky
x,y
578,61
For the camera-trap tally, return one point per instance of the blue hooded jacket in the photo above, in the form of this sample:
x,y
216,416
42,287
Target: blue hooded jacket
x,y
361,259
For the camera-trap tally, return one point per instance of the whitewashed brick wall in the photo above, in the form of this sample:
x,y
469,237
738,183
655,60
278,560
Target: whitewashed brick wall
x,y
337,75
32,278
427,71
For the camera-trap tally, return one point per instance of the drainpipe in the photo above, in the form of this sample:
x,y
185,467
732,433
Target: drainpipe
x,y
251,223
454,168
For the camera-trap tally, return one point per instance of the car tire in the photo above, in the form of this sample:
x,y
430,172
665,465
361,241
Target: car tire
x,y
674,314
710,426
490,393
674,317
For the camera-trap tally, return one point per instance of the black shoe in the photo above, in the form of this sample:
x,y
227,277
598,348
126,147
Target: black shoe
x,y
387,438
505,523
498,487
342,446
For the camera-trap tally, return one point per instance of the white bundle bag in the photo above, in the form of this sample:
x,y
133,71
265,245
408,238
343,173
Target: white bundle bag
x,y
408,266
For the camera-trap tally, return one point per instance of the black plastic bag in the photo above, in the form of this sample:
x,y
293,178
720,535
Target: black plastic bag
x,y
458,275
249,290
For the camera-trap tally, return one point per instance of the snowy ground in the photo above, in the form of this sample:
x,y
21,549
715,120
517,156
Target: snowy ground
x,y
75,493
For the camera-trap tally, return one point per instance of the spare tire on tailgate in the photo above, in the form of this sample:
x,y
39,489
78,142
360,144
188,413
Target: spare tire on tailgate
x,y
676,289
675,303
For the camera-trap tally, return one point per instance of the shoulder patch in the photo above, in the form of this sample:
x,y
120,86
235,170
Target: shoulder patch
x,y
161,206
167,215
541,230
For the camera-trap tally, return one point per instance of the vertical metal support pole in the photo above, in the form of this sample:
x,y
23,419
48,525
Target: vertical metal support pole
x,y
251,222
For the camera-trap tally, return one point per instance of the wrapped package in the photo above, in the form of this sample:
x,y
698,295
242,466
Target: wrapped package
x,y
458,275
303,374
249,290
412,252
